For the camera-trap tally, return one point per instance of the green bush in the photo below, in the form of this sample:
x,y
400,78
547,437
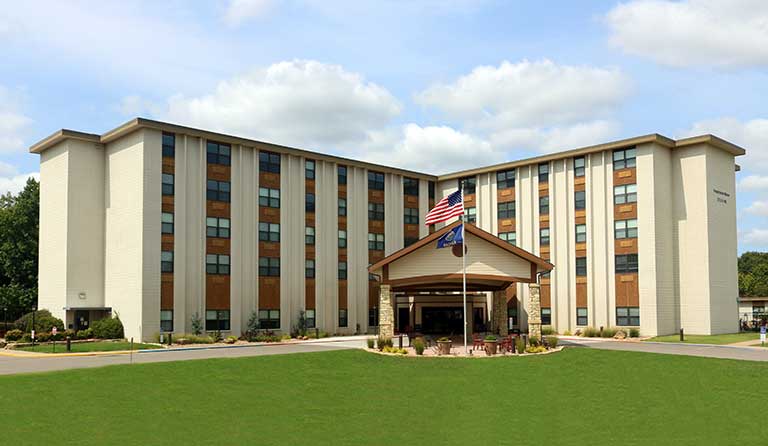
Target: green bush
x,y
193,339
370,342
418,346
267,338
231,339
43,336
519,345
590,332
608,332
197,324
285,337
634,333
551,341
14,335
85,334
216,336
44,322
547,330
534,340
382,342
108,328
567,333
491,338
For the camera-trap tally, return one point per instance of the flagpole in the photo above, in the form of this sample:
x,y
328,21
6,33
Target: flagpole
x,y
464,277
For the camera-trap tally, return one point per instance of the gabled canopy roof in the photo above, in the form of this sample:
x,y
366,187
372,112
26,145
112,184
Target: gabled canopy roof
x,y
492,264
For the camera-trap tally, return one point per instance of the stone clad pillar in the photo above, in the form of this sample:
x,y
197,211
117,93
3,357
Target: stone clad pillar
x,y
499,313
386,312
534,310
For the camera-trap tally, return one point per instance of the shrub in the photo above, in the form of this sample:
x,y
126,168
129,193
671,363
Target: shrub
x,y
634,333
534,340
44,321
567,333
108,328
551,341
590,332
519,345
231,339
547,330
382,342
535,349
197,324
14,335
193,339
418,346
491,338
85,334
608,332
43,336
215,335
370,342
444,339
285,337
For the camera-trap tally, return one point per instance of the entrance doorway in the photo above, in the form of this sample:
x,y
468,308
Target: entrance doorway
x,y
478,320
403,319
82,319
443,320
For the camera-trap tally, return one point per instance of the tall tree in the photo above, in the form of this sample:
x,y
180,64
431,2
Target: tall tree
x,y
753,274
19,228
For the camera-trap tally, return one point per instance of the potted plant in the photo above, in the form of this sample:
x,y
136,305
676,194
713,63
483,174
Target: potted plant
x,y
444,346
491,344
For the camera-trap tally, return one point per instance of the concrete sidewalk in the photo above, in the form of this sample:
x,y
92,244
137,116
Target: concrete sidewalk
x,y
742,353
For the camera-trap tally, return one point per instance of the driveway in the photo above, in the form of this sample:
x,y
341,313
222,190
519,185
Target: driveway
x,y
12,365
708,351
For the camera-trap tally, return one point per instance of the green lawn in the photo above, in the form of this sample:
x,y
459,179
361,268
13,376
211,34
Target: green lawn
x,y
578,396
61,347
714,339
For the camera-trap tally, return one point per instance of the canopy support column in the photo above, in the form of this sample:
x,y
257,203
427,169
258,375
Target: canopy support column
x,y
499,313
534,310
386,312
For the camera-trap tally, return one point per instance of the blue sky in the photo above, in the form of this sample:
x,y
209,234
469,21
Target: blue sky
x,y
432,85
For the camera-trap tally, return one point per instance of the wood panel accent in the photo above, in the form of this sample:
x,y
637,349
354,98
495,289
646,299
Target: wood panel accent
x,y
343,304
309,218
410,201
309,251
625,246
166,242
545,292
342,254
544,250
309,186
624,211
375,256
269,215
543,188
470,200
627,290
376,226
169,164
624,176
511,293
269,293
544,221
269,249
269,179
218,172
309,294
579,183
505,194
507,225
166,291
581,249
215,245
167,200
217,209
342,222
411,230
375,196
217,292
373,293
581,294
342,190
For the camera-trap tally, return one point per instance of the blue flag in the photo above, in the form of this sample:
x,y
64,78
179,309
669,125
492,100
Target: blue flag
x,y
450,238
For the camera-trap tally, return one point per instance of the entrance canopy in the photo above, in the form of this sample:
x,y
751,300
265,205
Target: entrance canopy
x,y
492,264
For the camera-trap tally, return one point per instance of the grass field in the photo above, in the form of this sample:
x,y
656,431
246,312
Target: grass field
x,y
82,347
714,339
578,396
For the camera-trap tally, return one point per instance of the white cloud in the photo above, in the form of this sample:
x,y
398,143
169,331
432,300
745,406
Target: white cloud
x,y
13,124
754,182
693,32
556,138
751,135
301,103
758,208
756,237
239,11
11,180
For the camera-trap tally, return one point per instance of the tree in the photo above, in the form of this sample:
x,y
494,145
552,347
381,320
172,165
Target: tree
x,y
753,274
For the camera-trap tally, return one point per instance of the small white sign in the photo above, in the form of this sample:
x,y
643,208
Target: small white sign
x,y
33,334
54,330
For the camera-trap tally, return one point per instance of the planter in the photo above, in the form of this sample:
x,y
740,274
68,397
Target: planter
x,y
491,347
444,347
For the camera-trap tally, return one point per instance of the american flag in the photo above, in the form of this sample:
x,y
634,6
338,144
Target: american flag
x,y
448,207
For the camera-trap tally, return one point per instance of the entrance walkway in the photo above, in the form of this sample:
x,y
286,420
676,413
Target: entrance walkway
x,y
667,348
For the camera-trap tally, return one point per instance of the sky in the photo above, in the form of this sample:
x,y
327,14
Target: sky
x,y
431,85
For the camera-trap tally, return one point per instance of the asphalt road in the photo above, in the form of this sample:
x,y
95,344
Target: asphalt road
x,y
668,348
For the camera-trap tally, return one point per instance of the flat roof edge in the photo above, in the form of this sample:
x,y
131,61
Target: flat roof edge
x,y
62,135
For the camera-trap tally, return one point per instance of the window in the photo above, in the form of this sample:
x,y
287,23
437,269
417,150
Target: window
x,y
217,264
581,316
375,181
625,194
581,233
507,209
342,238
376,211
468,185
581,266
216,320
509,237
309,268
166,223
269,318
628,316
309,203
309,235
408,241
544,173
470,215
411,216
411,186
373,317
343,321
758,309
218,153
544,236
342,207
342,174
624,158
505,179
431,190
342,271
375,242
217,227
269,162
269,266
166,320
544,205
309,169
546,316
625,228
166,261
309,318
626,263
578,167
218,190
580,200
269,197
269,232
169,144
167,184
512,320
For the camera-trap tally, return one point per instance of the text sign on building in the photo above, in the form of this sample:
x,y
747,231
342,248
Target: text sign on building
x,y
722,197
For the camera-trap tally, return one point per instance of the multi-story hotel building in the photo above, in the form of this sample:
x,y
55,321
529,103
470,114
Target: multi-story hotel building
x,y
161,223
